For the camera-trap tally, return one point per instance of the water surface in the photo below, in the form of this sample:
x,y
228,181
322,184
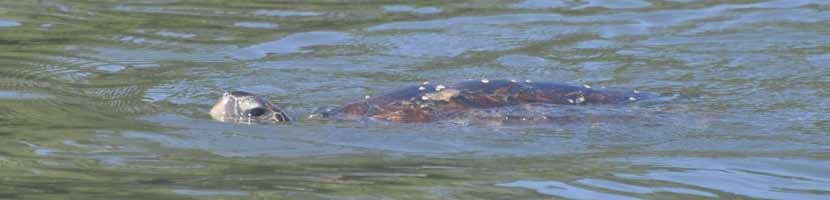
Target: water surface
x,y
108,99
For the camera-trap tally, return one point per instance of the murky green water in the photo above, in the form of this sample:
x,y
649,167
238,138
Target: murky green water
x,y
108,99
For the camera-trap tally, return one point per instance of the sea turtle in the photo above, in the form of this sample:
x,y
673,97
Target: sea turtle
x,y
429,102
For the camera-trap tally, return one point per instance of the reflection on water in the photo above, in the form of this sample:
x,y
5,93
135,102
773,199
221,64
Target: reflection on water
x,y
262,25
754,177
410,9
210,192
21,95
284,13
563,190
764,178
291,44
108,99
611,185
8,23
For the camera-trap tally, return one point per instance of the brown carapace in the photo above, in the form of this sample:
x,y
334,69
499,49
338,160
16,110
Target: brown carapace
x,y
432,102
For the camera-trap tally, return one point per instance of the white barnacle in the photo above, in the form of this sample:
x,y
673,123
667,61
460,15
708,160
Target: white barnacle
x,y
636,92
425,83
632,98
367,97
570,101
422,88
528,81
439,87
424,98
444,95
484,80
587,86
580,99
513,80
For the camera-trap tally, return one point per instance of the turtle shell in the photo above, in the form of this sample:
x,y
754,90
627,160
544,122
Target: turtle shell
x,y
431,102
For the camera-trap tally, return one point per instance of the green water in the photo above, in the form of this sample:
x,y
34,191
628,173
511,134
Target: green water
x,y
108,99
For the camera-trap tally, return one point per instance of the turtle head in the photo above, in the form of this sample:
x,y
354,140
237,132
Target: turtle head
x,y
244,107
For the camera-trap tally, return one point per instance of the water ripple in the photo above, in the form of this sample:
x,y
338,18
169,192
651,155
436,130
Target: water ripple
x,y
108,99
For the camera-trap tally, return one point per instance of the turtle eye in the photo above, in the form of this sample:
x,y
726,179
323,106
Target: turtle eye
x,y
256,112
